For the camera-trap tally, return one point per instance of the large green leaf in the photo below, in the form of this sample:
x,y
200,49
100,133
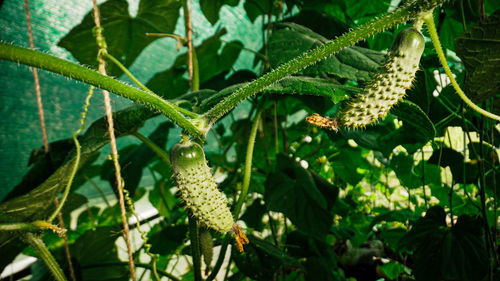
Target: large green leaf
x,y
97,246
416,120
478,48
440,252
303,85
44,164
211,8
133,162
165,241
254,213
353,63
172,82
291,190
410,175
31,206
261,259
125,35
463,172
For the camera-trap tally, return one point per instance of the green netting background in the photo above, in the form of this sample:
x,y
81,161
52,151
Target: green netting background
x,y
63,98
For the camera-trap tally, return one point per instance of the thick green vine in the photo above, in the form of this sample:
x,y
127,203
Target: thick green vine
x,y
72,70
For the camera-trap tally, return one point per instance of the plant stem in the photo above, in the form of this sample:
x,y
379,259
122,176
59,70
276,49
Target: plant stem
x,y
45,255
127,72
77,154
195,247
404,13
72,70
429,22
19,226
248,166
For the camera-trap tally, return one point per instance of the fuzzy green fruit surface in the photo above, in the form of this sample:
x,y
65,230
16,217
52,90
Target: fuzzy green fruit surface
x,y
389,85
198,188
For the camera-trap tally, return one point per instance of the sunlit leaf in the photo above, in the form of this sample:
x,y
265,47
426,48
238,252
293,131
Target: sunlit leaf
x,y
125,35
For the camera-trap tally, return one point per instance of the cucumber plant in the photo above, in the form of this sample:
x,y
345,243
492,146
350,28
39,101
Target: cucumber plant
x,y
195,181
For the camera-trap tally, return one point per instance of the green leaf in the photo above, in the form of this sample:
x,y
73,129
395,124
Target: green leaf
x,y
440,252
346,163
410,175
329,23
211,8
125,35
98,246
133,162
162,199
353,63
303,85
33,205
392,269
478,48
464,255
262,7
212,61
254,213
166,240
447,157
396,215
416,120
43,166
291,190
261,259
366,9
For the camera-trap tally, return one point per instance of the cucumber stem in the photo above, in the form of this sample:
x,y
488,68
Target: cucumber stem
x,y
44,253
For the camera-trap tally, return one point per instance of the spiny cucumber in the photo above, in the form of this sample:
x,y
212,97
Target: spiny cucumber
x,y
198,188
389,85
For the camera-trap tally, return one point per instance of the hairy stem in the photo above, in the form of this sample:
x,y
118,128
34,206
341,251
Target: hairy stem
x,y
72,70
429,22
44,253
248,166
411,10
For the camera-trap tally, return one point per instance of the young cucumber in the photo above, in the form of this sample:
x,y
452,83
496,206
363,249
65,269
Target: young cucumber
x,y
198,188
389,85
